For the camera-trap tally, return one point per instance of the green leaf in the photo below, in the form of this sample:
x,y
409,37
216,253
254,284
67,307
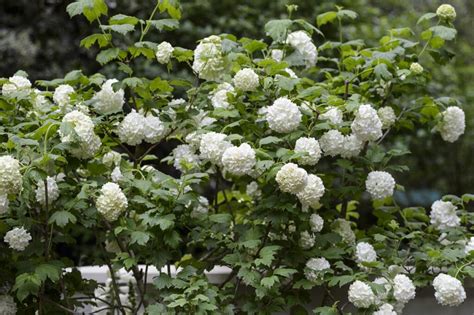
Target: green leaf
x,y
161,85
62,218
119,28
252,45
346,14
50,271
139,237
170,6
466,198
444,32
162,281
267,254
268,140
284,272
268,282
326,310
381,71
325,18
105,56
26,284
277,29
341,280
101,39
165,24
425,17
123,19
220,218
91,9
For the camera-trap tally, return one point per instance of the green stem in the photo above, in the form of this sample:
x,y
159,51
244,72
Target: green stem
x,y
148,24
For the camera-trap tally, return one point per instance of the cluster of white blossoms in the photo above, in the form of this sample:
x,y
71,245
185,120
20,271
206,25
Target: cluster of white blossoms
x,y
446,11
212,147
53,191
219,97
366,124
312,192
78,129
452,124
164,51
314,268
361,295
380,185
112,202
333,114
277,54
443,215
416,68
18,238
365,252
239,160
283,115
302,43
107,100
316,223
387,116
253,191
403,288
385,309
331,142
291,178
136,128
116,174
7,305
351,146
469,246
15,83
310,147
185,155
10,176
112,158
307,240
201,209
343,228
246,80
209,62
62,96
448,290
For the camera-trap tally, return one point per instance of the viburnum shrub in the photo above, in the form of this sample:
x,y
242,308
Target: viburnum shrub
x,y
275,157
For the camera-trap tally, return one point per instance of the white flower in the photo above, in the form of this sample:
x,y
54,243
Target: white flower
x,y
277,54
385,309
164,51
213,146
132,128
343,228
283,116
10,176
403,288
107,100
246,80
469,246
307,240
332,142
312,191
185,154
111,202
239,160
367,125
365,252
7,305
201,209
78,129
448,290
380,185
446,11
176,102
291,73
154,130
116,175
253,191
219,97
452,124
15,83
387,116
310,147
112,158
302,43
416,68
62,96
291,178
381,295
351,146
194,139
316,223
361,295
53,191
18,238
333,114
209,61
443,215
314,266
3,203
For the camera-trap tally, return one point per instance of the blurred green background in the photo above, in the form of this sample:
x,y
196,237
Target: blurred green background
x,y
39,37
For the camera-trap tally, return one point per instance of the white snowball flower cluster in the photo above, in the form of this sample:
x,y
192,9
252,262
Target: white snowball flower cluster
x,y
380,184
239,160
246,80
469,246
184,154
10,176
333,114
209,61
86,142
351,146
3,203
416,68
387,116
448,290
403,288
385,309
7,305
201,209
155,130
307,240
111,202
312,191
443,215
314,266
164,51
365,252
277,54
316,223
343,228
283,115
310,147
15,83
53,191
301,42
62,96
361,295
107,100
212,147
291,178
135,128
452,124
367,125
253,191
18,238
219,98
446,11
332,142
112,158
116,174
